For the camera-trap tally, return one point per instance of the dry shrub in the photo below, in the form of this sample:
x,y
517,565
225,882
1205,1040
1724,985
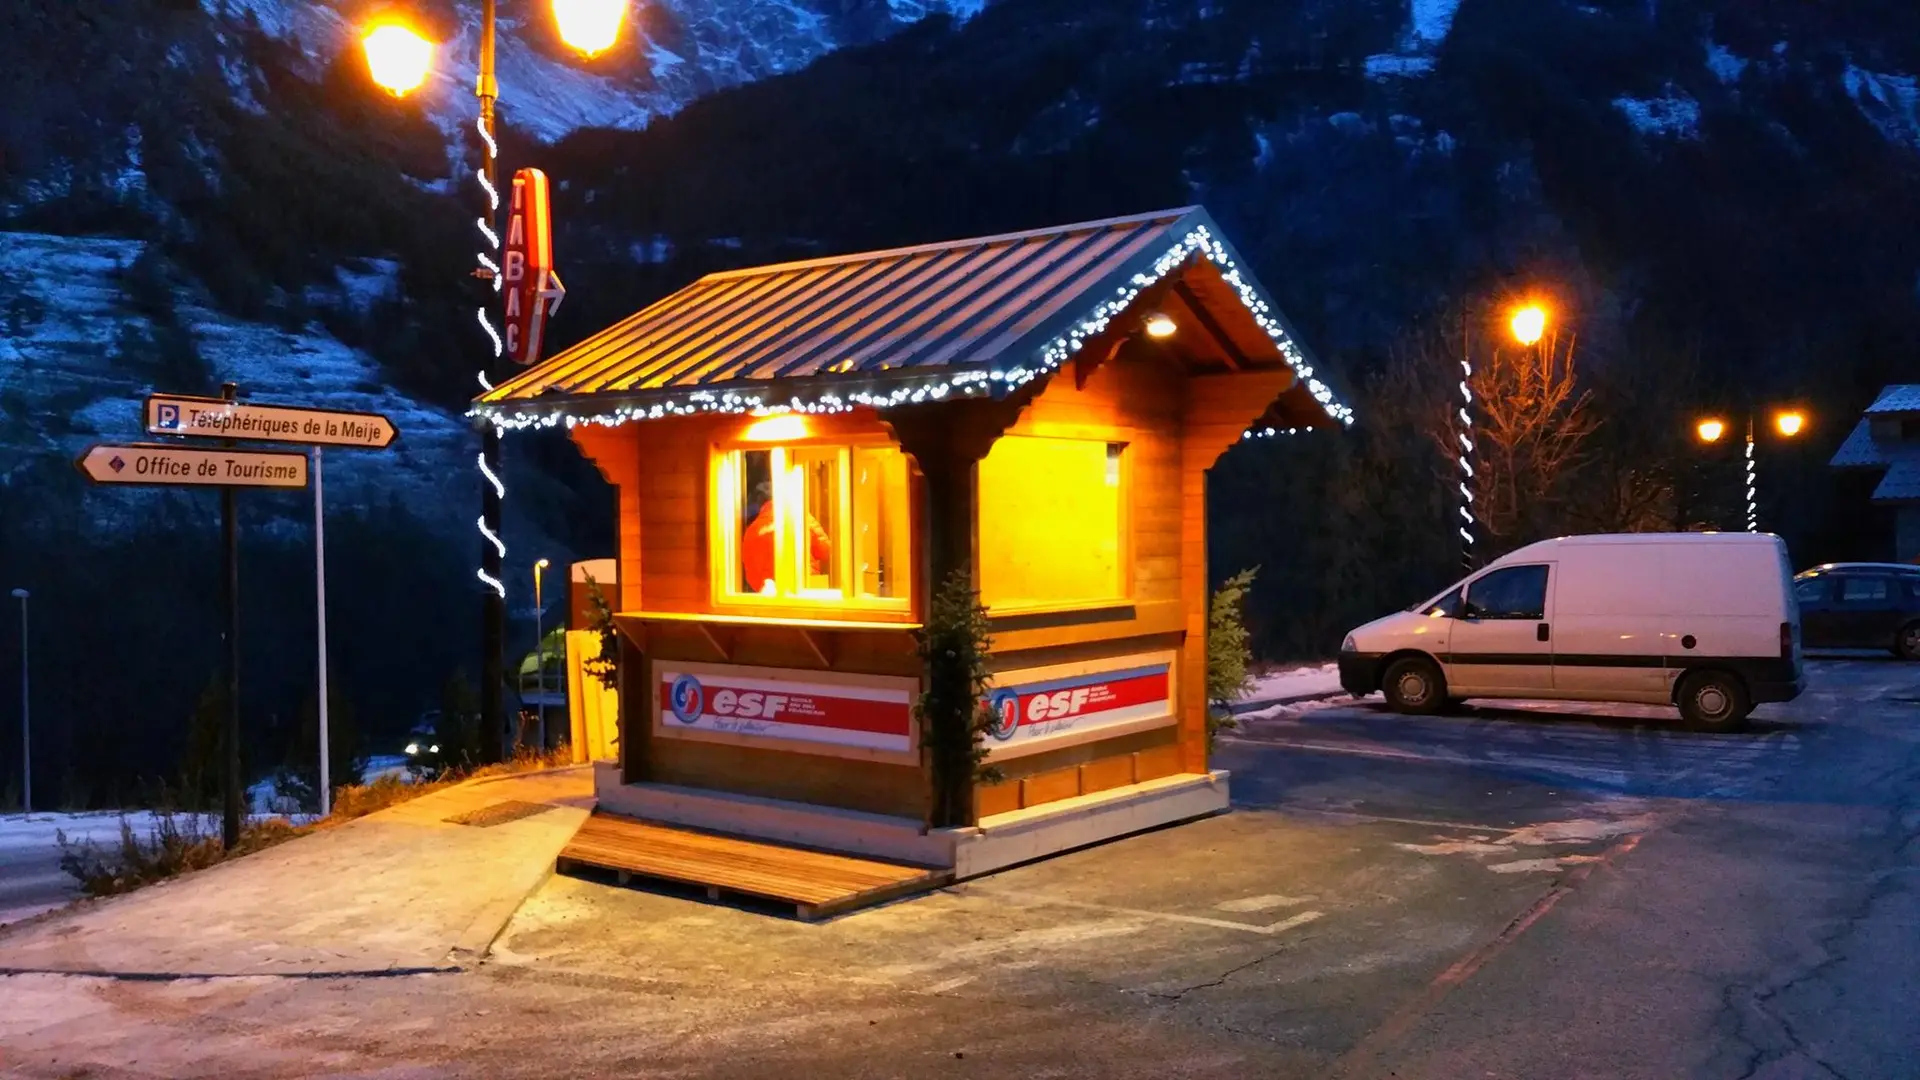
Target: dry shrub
x,y
174,845
178,843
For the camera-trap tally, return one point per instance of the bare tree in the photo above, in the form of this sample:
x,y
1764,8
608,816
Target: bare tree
x,y
1531,423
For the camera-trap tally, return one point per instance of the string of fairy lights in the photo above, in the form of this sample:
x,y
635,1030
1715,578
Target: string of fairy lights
x,y
1753,486
491,246
1465,435
913,389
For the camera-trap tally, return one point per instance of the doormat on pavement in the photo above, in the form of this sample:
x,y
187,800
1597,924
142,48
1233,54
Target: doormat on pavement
x,y
500,813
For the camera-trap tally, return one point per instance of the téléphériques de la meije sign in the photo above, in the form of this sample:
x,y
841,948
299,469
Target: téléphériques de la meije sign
x,y
205,457
530,289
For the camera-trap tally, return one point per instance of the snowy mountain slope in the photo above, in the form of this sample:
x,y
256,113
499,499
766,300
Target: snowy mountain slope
x,y
684,49
66,381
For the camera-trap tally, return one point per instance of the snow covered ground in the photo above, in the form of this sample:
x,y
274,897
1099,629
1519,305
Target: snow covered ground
x,y
31,880
1289,685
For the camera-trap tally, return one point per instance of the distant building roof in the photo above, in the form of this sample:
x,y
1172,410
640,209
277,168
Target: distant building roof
x,y
977,317
1885,439
1896,399
1902,482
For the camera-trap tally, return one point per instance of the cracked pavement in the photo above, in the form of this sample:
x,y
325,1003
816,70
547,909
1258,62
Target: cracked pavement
x,y
1529,891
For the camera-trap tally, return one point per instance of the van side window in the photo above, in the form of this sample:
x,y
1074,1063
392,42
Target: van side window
x,y
1512,592
1447,607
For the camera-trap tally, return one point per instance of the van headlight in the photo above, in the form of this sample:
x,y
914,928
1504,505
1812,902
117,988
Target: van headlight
x,y
1348,645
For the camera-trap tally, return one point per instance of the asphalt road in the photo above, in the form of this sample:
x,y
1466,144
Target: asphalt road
x,y
1518,892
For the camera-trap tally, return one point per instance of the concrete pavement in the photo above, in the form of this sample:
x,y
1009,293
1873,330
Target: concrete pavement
x,y
401,890
1517,892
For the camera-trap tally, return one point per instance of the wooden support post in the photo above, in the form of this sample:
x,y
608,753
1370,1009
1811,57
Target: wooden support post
x,y
636,718
947,441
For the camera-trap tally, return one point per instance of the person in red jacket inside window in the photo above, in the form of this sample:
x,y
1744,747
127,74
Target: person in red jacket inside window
x,y
757,544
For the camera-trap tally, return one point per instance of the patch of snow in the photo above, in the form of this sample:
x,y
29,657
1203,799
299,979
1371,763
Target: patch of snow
x,y
1433,19
1725,65
1890,102
367,280
1199,72
1673,114
1295,683
1398,66
1535,866
907,11
652,250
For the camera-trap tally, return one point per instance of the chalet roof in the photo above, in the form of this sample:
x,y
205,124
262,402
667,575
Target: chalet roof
x,y
1895,400
977,317
1881,441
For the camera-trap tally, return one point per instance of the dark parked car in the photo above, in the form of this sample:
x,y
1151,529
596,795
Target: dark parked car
x,y
1861,606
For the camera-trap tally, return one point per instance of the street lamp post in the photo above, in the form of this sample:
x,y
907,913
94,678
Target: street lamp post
x,y
1787,422
398,59
1527,324
540,653
26,727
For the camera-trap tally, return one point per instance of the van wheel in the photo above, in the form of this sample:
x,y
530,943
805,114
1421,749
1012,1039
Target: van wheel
x,y
1714,701
1906,645
1414,685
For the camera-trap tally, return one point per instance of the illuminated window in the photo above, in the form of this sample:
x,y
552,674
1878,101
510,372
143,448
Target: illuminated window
x,y
1053,523
812,522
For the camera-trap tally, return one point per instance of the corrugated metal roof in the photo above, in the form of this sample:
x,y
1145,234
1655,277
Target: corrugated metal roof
x,y
1898,398
898,318
1860,450
1901,484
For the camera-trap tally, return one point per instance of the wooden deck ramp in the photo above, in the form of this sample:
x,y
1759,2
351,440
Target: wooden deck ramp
x,y
817,884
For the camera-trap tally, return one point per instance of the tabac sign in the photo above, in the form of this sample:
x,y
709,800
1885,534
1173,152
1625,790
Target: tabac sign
x,y
530,290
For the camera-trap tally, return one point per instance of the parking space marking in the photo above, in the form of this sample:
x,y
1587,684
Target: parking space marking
x,y
1248,905
1269,929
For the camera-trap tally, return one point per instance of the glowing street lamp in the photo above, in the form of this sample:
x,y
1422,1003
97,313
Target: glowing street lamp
x,y
1161,326
1528,324
1788,422
398,59
591,26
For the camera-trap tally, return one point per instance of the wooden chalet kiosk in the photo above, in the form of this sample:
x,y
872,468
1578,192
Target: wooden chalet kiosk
x,y
803,452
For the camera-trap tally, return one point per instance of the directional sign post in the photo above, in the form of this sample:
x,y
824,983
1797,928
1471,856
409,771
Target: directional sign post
x,y
165,465
217,418
173,414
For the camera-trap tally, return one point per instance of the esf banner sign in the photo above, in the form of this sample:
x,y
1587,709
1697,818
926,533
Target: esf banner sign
x,y
1037,708
529,289
765,703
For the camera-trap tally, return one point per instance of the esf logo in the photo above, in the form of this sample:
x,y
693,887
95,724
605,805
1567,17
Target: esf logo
x,y
1005,706
689,703
1009,711
686,699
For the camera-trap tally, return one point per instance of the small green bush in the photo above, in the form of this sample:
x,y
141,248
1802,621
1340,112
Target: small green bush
x,y
1229,651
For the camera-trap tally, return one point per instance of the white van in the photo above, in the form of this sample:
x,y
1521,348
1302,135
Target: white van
x,y
1705,621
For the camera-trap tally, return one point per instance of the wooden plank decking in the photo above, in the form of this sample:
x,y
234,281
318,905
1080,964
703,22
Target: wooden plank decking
x,y
817,884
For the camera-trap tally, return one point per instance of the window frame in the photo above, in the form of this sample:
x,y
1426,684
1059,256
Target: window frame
x,y
1127,439
1473,610
723,507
